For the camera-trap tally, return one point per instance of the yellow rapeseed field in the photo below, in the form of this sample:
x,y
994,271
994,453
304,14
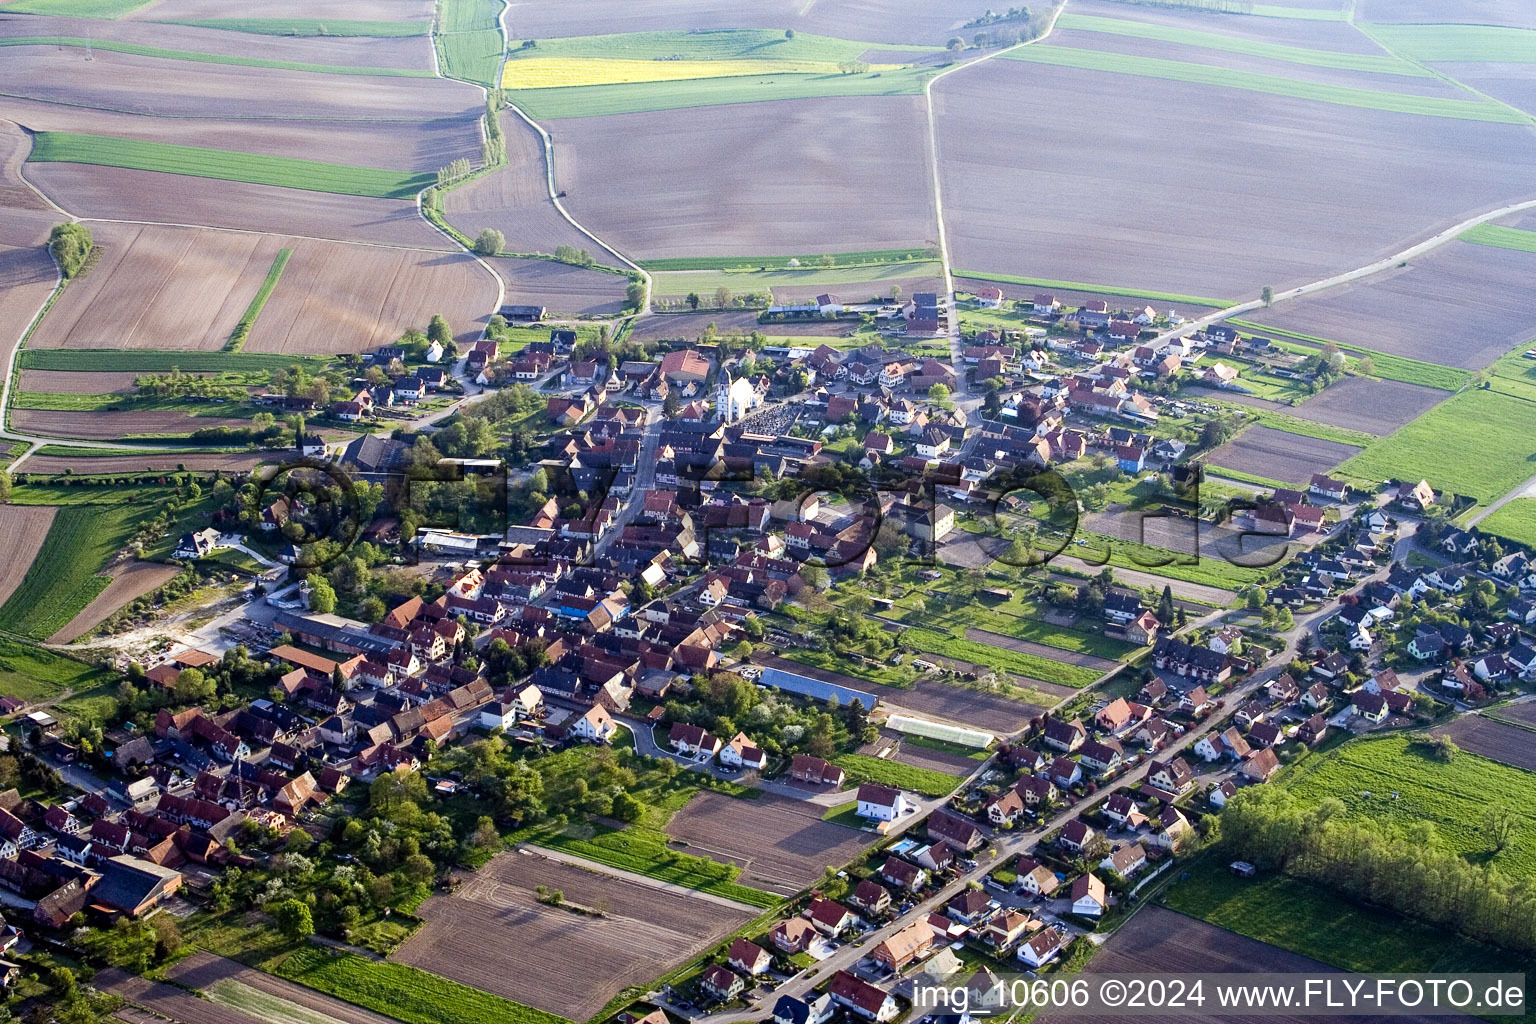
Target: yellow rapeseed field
x,y
559,72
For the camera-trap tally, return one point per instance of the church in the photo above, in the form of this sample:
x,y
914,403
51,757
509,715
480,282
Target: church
x,y
734,399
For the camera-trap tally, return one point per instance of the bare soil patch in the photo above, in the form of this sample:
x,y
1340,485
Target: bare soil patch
x,y
346,10
1514,13
110,426
1159,941
78,382
515,200
1027,293
561,287
14,148
927,757
154,85
129,582
117,193
1114,205
1376,406
23,528
164,1001
1316,35
1013,643
1278,455
159,287
780,844
1515,84
1450,306
1520,713
715,183
336,297
493,934
1508,743
88,465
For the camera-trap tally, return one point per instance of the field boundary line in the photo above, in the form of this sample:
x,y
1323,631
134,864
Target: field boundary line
x,y
953,317
598,868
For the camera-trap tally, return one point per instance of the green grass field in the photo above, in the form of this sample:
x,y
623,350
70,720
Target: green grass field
x,y
213,58
1388,367
103,9
1320,924
1388,781
596,100
32,673
1080,286
861,768
1372,62
248,319
1308,428
1458,43
71,402
310,26
405,993
999,659
65,575
1016,617
226,165
1477,443
844,259
1504,238
879,276
1274,85
1298,13
153,361
468,40
1514,521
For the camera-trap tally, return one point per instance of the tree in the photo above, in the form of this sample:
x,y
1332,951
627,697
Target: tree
x,y
895,292
1165,605
192,686
490,242
1365,366
322,598
439,331
635,293
5,486
955,44
722,297
789,33
671,405
693,300
294,919
938,394
70,245
1256,599
1499,823
627,807
1268,295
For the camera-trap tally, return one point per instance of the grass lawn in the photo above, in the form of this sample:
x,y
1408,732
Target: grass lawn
x,y
845,814
999,659
213,58
865,258
1407,786
1477,443
226,165
405,993
1016,617
974,753
1514,521
150,361
1216,41
1315,922
1388,367
1503,238
468,39
1274,85
33,673
310,26
862,768
1213,572
1079,286
1457,43
704,282
835,662
595,100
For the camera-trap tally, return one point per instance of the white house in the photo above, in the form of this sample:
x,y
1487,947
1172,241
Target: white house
x,y
1041,948
499,715
741,752
1089,897
596,726
882,803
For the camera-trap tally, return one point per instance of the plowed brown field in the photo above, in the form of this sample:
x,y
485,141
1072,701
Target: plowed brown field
x,y
22,531
87,465
110,426
780,844
494,934
130,581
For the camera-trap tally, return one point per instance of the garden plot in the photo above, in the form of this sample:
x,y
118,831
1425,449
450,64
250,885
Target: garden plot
x,y
780,844
1278,455
1374,406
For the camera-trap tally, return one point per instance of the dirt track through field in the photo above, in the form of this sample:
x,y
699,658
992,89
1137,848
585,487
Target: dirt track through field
x,y
23,528
494,934
129,582
200,970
